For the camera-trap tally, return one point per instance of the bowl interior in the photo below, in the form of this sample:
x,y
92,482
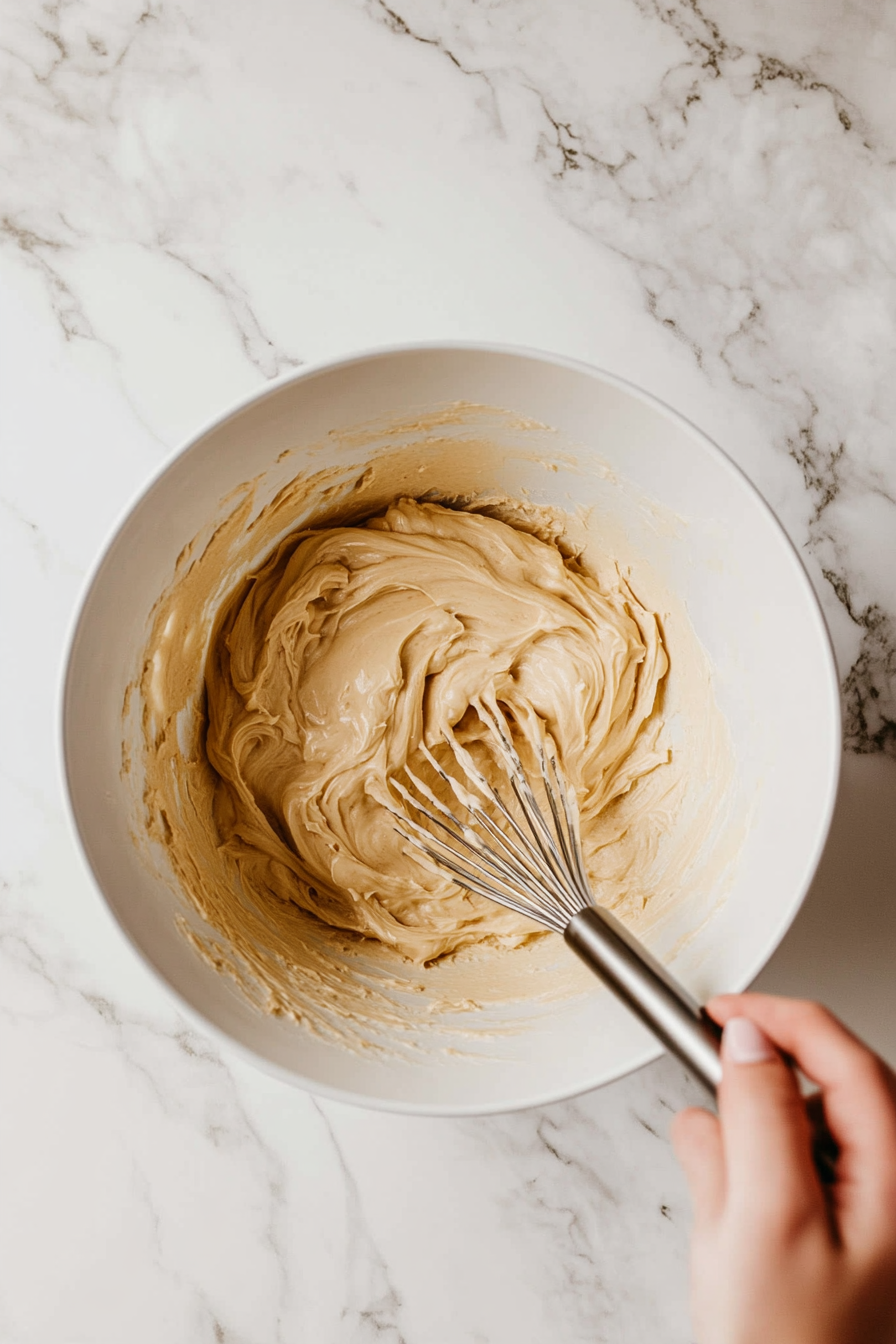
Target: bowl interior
x,y
748,598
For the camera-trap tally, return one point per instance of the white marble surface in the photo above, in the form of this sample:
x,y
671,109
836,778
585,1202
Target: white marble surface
x,y
198,196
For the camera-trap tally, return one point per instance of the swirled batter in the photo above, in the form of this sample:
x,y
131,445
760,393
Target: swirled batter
x,y
323,625
351,646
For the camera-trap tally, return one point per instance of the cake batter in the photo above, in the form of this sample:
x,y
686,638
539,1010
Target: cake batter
x,y
324,624
351,646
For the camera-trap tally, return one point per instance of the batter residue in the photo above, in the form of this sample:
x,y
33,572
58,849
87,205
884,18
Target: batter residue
x,y
352,645
325,624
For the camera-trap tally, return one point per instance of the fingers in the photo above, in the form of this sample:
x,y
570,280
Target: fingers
x,y
697,1140
859,1098
769,1171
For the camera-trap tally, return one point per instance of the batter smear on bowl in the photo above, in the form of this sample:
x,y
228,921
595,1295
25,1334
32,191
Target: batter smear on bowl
x,y
352,645
314,638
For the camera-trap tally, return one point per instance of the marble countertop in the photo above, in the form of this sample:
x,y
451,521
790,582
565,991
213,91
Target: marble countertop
x,y
198,197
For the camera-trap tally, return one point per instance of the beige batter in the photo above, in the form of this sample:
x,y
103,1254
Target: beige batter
x,y
353,645
291,671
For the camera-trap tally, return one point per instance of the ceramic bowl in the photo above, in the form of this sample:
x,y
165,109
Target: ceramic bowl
x,y
747,596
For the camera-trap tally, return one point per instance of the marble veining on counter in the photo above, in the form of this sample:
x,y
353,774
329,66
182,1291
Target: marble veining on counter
x,y
196,198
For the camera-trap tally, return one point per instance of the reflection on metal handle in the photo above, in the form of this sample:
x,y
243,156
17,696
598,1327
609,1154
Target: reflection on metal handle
x,y
649,991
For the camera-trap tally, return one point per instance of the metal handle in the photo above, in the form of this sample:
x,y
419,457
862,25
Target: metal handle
x,y
668,1010
649,991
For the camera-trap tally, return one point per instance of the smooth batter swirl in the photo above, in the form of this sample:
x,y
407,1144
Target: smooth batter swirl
x,y
350,646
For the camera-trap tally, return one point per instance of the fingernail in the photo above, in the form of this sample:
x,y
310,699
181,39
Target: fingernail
x,y
745,1043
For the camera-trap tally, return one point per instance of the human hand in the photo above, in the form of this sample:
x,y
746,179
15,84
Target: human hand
x,y
775,1258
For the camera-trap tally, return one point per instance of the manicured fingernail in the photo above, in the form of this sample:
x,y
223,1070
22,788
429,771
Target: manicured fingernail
x,y
745,1043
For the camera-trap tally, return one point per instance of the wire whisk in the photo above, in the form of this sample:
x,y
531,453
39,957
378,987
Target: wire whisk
x,y
534,868
529,859
526,854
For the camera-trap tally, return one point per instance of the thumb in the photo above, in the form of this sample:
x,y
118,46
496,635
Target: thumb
x,y
765,1131
697,1141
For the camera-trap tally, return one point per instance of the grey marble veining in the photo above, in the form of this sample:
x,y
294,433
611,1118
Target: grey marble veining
x,y
197,197
767,304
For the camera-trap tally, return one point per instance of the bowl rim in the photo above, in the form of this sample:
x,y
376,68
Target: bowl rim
x,y
369,354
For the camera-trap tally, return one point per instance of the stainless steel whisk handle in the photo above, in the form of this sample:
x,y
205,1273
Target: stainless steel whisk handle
x,y
649,991
668,1010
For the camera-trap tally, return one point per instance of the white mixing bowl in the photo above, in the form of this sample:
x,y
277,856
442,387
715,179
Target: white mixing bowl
x,y
746,593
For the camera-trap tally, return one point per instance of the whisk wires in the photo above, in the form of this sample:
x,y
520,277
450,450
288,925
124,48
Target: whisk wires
x,y
519,857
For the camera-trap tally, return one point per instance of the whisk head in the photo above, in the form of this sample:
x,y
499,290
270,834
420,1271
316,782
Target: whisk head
x,y
502,843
